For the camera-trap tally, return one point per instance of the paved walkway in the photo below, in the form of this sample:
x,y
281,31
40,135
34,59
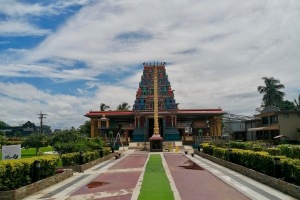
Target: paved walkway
x,y
121,179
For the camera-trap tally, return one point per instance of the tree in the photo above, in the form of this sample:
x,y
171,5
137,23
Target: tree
x,y
123,106
297,104
85,129
35,140
272,94
3,124
68,141
287,106
103,107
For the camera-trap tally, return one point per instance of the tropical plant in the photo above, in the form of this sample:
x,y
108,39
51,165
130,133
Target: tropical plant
x,y
36,140
123,106
103,107
272,96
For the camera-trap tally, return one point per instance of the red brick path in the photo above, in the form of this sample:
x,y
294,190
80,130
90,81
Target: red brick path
x,y
198,184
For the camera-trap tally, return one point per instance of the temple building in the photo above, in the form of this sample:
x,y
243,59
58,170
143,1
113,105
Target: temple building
x,y
186,125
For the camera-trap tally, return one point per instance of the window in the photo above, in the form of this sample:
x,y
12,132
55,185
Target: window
x,y
286,115
274,119
265,120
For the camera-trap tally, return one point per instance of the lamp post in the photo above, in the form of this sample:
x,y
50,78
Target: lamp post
x,y
200,134
36,170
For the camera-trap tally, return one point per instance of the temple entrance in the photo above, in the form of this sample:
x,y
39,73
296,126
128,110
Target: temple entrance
x,y
151,126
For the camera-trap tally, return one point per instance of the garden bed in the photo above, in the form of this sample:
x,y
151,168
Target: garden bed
x,y
32,188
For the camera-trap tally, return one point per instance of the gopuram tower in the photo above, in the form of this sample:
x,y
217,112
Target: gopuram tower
x,y
155,108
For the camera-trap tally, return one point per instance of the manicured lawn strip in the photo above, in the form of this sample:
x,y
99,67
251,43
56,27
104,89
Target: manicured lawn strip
x,y
155,183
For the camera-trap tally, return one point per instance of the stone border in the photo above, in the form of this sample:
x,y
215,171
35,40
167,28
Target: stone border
x,y
85,166
32,188
275,183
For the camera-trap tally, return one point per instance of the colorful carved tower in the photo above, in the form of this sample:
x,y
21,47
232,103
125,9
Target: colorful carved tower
x,y
155,108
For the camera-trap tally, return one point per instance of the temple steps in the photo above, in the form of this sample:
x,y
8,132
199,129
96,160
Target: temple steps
x,y
166,145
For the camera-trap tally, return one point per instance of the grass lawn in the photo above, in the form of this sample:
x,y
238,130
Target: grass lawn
x,y
155,183
30,152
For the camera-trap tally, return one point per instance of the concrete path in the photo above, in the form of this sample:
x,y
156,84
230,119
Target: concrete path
x,y
121,179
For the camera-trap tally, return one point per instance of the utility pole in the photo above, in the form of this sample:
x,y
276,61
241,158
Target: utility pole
x,y
41,117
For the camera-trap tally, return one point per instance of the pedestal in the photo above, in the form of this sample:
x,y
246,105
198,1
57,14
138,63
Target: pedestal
x,y
156,144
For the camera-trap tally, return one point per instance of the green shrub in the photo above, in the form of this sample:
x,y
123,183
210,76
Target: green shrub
x,y
237,145
208,149
291,170
71,159
257,148
274,151
221,153
18,173
291,151
106,150
259,161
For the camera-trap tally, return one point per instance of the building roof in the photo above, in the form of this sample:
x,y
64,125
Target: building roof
x,y
182,114
263,128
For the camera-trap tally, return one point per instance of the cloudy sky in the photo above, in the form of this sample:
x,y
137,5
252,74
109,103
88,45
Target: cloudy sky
x,y
66,57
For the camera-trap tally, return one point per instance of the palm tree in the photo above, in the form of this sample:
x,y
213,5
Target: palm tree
x,y
123,106
103,107
297,103
272,95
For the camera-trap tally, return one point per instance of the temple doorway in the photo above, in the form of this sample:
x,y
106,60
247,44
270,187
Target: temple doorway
x,y
151,126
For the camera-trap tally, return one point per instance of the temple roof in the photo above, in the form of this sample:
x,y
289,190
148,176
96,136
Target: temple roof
x,y
182,114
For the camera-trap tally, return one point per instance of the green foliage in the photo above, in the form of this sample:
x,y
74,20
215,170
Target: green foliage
x,y
237,145
3,124
71,146
36,141
274,151
291,170
71,159
255,146
103,107
287,106
68,141
272,96
18,173
290,151
123,106
221,153
85,129
261,161
95,143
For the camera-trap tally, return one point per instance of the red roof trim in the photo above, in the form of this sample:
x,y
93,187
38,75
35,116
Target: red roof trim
x,y
108,113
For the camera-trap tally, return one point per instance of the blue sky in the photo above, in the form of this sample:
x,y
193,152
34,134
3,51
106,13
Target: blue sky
x,y
66,57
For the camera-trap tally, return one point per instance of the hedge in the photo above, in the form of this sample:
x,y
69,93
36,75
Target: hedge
x,y
291,169
70,159
17,173
291,151
259,161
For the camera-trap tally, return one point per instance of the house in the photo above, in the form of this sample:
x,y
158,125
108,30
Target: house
x,y
277,124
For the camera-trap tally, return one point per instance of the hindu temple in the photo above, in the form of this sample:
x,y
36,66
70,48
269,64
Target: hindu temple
x,y
155,110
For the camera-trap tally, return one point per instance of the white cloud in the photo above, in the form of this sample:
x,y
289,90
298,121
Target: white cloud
x,y
216,51
20,28
21,102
